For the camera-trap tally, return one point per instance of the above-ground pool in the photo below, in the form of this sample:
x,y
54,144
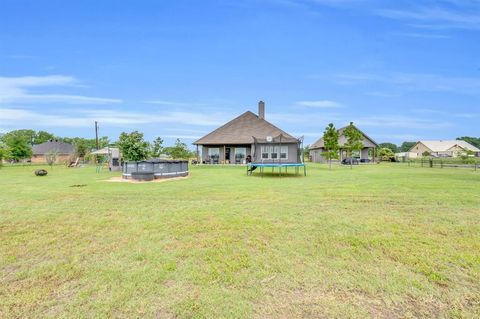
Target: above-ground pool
x,y
153,169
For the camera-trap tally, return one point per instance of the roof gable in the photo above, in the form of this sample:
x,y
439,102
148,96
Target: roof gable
x,y
241,130
319,143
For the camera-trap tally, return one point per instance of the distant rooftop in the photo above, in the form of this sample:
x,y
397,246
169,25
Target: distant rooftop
x,y
52,146
443,146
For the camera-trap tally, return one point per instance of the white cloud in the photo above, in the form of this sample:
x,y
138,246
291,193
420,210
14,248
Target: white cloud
x,y
297,118
85,118
168,103
422,35
415,82
382,94
451,113
188,137
401,121
436,17
23,116
19,90
308,134
320,104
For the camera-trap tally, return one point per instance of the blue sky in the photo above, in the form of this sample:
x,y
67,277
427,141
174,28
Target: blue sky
x,y
401,70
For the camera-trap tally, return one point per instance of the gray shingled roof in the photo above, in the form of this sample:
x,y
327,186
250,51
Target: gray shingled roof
x,y
52,146
241,129
319,143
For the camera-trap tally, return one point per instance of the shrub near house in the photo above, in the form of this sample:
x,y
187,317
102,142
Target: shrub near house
x,y
386,154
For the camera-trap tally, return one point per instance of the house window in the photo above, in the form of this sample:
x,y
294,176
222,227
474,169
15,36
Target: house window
x,y
266,150
274,152
214,152
240,154
284,152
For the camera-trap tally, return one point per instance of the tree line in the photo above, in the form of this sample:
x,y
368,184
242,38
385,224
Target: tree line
x,y
135,148
16,145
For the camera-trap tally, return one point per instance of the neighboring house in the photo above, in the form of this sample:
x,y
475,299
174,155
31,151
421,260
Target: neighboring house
x,y
63,151
249,134
443,148
369,145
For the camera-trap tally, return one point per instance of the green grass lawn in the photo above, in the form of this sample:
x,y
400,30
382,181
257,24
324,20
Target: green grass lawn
x,y
387,241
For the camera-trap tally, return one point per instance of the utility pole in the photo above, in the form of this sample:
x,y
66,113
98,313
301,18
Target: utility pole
x,y
96,134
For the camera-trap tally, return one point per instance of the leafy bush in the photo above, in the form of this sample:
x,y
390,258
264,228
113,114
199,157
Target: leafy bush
x,y
386,154
133,146
178,151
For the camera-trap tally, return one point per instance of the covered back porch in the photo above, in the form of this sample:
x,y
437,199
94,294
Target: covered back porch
x,y
223,154
366,154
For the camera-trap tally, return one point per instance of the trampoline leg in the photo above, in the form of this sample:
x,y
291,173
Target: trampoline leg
x,y
304,171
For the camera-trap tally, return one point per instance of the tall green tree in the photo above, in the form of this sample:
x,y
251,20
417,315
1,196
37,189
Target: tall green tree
x,y
133,146
390,146
80,147
330,141
306,151
406,146
157,147
354,140
42,136
178,151
28,136
19,148
86,143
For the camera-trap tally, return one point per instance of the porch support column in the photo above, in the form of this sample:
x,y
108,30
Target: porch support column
x,y
224,154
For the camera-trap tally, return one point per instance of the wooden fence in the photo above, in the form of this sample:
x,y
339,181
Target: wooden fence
x,y
445,163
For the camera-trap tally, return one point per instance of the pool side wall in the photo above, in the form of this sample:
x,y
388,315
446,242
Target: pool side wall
x,y
162,169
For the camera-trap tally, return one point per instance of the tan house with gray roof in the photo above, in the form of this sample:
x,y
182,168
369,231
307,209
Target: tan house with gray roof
x,y
451,148
366,154
248,135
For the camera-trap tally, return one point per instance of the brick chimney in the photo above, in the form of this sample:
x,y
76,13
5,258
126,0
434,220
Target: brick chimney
x,y
261,110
